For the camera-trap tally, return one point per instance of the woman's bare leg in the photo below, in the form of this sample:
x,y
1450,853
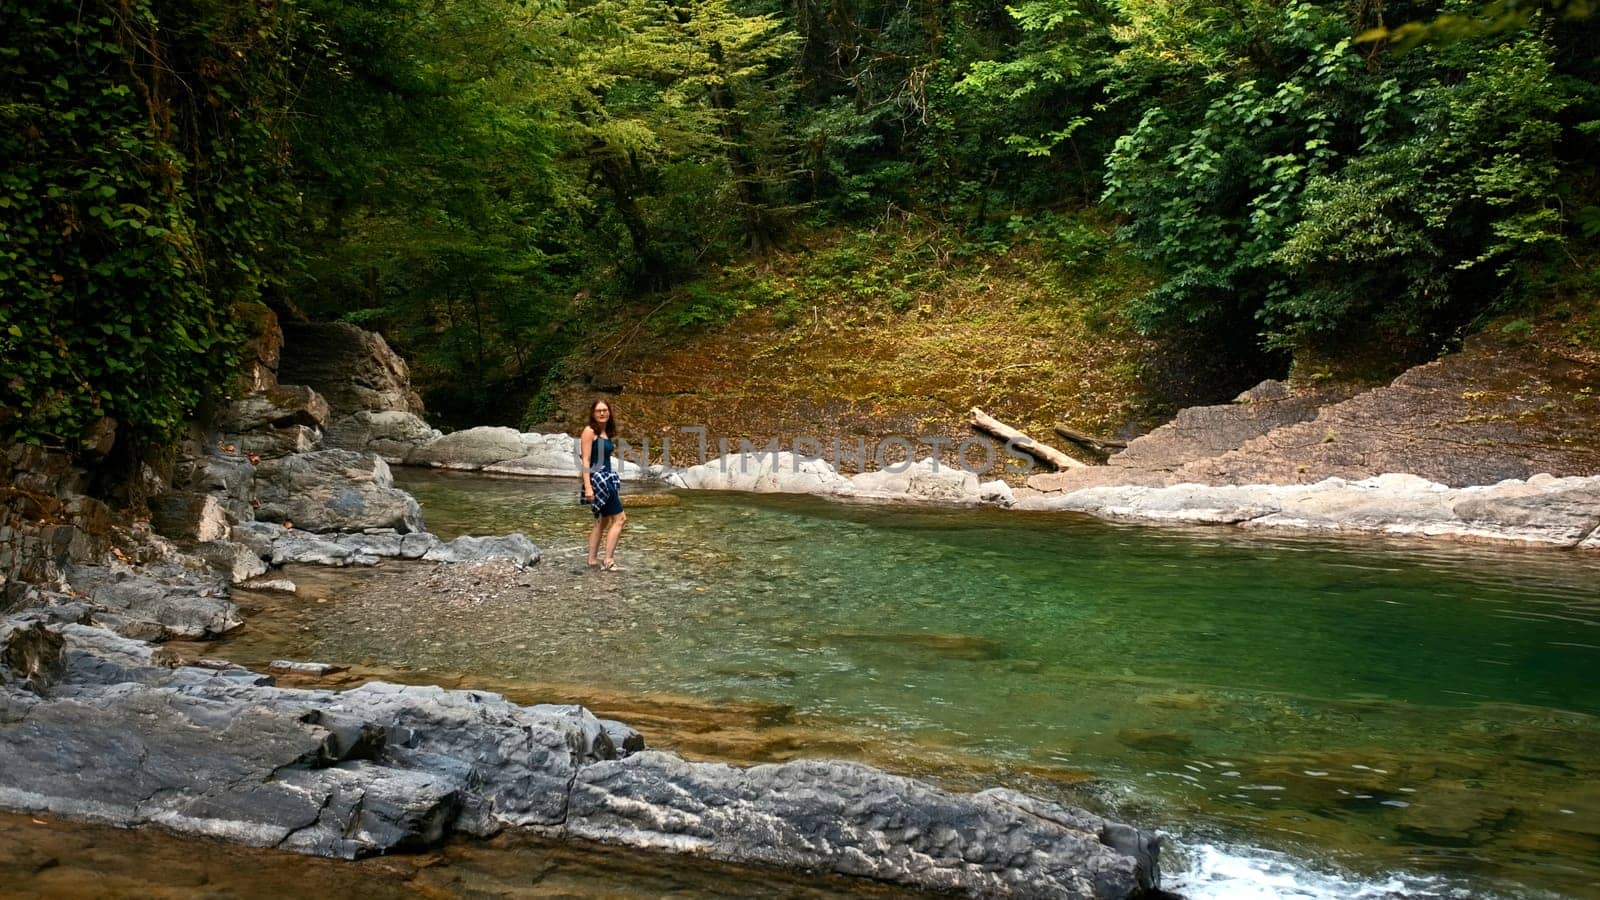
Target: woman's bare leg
x,y
594,540
617,521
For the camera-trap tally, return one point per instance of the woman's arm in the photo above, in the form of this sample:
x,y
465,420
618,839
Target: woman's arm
x,y
587,441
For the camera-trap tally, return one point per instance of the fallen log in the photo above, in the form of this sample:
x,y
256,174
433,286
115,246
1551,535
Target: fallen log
x,y
1083,438
1042,452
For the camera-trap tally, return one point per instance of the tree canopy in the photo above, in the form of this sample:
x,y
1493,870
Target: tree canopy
x,y
481,178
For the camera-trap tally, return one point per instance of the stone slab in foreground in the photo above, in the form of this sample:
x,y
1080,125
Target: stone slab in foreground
x,y
110,733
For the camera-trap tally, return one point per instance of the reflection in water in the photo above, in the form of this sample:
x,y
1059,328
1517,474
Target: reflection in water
x,y
1366,705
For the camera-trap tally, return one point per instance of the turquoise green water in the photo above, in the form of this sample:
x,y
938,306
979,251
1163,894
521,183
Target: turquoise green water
x,y
1369,709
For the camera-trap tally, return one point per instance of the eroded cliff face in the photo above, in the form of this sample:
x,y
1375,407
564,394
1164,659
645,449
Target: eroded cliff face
x,y
1500,408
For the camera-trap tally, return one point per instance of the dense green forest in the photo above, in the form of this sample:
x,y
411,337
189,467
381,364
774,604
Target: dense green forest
x,y
483,180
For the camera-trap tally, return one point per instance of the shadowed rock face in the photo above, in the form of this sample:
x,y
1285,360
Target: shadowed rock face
x,y
120,738
354,369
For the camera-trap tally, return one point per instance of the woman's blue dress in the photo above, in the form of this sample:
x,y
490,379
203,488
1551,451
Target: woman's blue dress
x,y
607,486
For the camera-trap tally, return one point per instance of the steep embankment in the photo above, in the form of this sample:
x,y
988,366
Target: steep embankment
x,y
893,332
1504,406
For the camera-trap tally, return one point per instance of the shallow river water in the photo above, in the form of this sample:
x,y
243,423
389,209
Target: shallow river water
x,y
1303,717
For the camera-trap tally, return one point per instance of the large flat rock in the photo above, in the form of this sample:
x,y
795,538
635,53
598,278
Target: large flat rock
x,y
105,730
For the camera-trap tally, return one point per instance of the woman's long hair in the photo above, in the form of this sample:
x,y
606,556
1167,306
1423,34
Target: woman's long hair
x,y
610,428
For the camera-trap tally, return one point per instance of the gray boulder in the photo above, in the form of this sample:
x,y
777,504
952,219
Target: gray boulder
x,y
334,490
394,435
276,441
471,448
188,516
236,561
828,815
467,548
130,740
162,603
276,406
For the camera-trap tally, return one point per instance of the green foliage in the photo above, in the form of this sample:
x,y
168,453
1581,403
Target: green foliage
x,y
140,198
1281,176
486,181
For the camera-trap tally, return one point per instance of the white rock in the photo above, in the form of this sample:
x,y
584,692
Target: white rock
x,y
761,472
926,480
1563,512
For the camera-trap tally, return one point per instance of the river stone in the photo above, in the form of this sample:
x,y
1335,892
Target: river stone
x,y
188,516
1142,846
277,406
996,492
334,490
557,455
236,561
1562,510
352,368
296,546
278,585
471,448
295,667
275,442
392,434
779,472
624,739
30,655
1542,510
828,815
128,741
514,547
927,480
161,603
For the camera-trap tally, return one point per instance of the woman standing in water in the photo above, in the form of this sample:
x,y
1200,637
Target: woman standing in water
x,y
601,485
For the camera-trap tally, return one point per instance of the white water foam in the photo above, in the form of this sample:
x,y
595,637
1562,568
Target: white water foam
x,y
1217,872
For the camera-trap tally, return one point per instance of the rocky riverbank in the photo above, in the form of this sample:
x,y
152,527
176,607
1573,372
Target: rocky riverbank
x,y
100,722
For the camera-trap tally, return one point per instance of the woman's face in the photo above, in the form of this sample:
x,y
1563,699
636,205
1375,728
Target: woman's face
x,y
602,413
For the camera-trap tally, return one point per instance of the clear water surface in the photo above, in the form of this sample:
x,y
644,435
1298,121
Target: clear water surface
x,y
1305,716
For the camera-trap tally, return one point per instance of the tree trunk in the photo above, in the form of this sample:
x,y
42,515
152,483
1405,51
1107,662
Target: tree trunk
x,y
1042,452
